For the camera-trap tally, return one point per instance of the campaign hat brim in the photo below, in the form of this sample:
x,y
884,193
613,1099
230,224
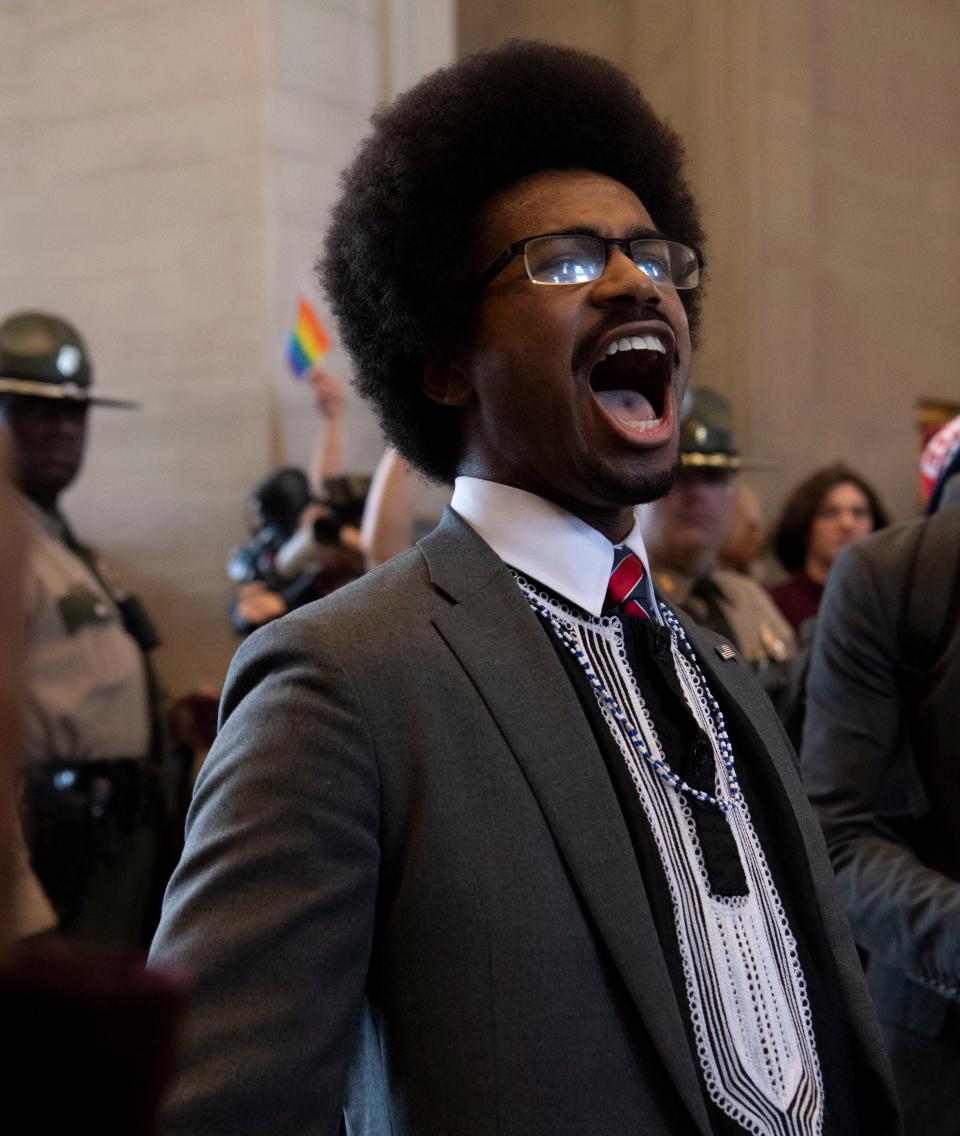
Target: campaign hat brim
x,y
692,459
62,392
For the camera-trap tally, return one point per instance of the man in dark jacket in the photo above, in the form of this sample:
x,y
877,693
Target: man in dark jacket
x,y
881,761
492,841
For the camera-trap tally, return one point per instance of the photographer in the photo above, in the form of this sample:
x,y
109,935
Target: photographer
x,y
304,532
302,548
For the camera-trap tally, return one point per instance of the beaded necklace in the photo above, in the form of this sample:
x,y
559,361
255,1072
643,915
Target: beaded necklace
x,y
658,764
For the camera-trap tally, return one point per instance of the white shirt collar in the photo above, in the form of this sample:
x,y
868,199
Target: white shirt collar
x,y
543,540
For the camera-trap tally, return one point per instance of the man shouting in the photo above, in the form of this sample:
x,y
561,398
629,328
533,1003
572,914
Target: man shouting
x,y
493,841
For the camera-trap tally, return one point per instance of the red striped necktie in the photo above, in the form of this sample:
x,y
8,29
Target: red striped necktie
x,y
625,591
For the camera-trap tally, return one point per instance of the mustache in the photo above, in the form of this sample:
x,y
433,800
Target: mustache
x,y
610,322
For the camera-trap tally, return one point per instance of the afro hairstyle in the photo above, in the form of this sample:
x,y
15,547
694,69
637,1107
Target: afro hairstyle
x,y
394,258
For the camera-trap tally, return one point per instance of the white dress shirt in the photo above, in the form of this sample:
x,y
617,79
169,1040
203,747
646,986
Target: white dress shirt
x,y
544,541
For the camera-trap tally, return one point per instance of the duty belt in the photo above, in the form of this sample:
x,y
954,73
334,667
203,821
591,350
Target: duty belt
x,y
85,814
124,789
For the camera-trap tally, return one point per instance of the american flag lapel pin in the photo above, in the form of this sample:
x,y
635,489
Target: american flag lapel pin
x,y
725,651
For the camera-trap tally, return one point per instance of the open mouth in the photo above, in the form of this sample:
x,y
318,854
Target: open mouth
x,y
632,381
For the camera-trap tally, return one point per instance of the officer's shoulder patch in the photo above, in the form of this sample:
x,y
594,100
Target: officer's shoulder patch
x,y
725,651
81,607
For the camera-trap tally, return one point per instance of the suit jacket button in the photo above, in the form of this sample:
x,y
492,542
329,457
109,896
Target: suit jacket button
x,y
661,642
701,751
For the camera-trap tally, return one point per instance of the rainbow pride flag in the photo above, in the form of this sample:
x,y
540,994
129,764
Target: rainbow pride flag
x,y
308,342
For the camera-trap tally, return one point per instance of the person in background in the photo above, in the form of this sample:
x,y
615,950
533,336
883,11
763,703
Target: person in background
x,y
304,527
685,530
881,764
312,534
389,524
433,882
87,1036
829,510
743,546
93,747
389,519
24,908
326,454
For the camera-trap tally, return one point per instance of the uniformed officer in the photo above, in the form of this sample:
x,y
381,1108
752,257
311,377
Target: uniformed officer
x,y
94,798
683,533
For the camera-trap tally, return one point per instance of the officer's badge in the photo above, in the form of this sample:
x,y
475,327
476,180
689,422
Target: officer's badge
x,y
69,360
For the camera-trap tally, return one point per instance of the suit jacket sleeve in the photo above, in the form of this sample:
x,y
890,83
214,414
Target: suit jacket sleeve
x,y
854,747
270,913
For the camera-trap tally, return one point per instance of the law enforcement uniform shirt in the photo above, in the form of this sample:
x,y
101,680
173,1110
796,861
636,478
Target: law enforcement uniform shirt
x,y
736,607
87,694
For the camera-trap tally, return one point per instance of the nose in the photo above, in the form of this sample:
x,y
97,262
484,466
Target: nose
x,y
68,421
623,283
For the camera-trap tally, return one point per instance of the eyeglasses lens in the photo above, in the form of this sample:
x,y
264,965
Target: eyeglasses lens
x,y
564,260
666,262
578,259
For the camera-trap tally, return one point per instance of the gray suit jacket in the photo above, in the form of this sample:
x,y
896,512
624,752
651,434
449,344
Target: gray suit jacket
x,y
881,761
408,884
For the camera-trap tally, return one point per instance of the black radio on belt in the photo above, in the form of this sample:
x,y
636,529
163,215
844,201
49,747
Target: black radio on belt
x,y
82,606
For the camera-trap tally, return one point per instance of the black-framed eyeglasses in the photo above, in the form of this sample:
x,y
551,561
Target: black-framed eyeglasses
x,y
578,258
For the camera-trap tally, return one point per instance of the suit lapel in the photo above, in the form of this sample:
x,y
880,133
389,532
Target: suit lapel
x,y
734,685
741,689
500,645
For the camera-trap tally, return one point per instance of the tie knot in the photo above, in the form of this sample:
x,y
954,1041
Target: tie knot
x,y
625,591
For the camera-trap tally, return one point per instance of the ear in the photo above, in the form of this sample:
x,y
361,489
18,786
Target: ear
x,y
445,381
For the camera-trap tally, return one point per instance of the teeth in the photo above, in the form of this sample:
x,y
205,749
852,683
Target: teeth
x,y
637,343
644,423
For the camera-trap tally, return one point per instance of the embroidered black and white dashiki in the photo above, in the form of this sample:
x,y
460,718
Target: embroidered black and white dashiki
x,y
744,983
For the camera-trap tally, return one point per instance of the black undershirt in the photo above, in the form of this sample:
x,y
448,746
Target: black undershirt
x,y
849,1102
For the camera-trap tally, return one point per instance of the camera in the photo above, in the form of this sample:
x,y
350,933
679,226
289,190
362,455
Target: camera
x,y
342,502
272,511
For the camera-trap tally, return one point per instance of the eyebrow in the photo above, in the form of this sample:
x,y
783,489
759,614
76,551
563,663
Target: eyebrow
x,y
639,233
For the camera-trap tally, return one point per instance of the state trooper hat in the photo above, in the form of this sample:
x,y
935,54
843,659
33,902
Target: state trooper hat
x,y
43,356
707,438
